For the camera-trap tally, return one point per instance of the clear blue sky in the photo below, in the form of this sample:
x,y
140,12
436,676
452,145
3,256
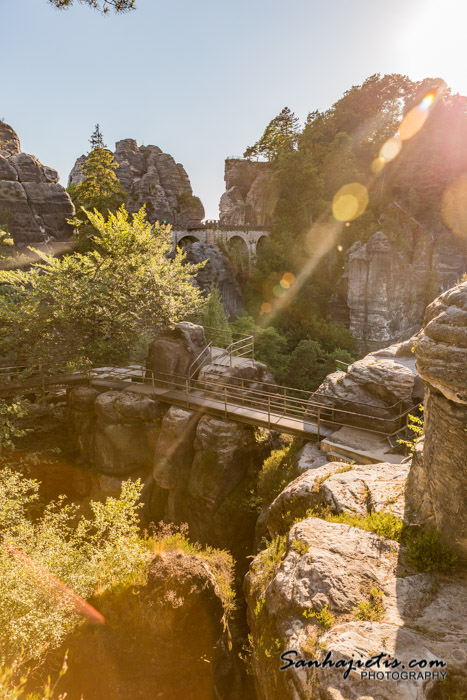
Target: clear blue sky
x,y
201,78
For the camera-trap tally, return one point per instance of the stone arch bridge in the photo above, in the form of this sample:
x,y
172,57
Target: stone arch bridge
x,y
246,239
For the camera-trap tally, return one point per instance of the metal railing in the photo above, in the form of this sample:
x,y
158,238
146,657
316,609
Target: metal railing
x,y
283,408
277,407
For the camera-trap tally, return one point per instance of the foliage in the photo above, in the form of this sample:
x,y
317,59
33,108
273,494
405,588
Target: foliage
x,y
39,556
372,609
416,426
100,189
104,6
279,469
6,243
97,304
428,551
280,134
14,679
97,139
297,363
324,617
10,423
382,523
213,314
266,564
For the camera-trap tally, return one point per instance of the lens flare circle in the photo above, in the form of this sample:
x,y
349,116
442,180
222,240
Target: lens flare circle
x,y
454,206
390,150
350,202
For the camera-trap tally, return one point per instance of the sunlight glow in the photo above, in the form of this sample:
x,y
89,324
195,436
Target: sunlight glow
x,y
416,117
454,206
350,202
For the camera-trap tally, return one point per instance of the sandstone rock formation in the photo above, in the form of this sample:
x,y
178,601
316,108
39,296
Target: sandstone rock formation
x,y
437,485
33,206
153,178
382,385
335,567
384,289
251,194
174,350
217,271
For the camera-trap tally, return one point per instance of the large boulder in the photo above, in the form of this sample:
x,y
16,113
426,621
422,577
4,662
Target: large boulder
x,y
33,206
174,350
115,431
339,592
374,391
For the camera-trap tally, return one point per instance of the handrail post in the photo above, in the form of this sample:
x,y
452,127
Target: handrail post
x,y
269,412
253,346
187,388
225,402
152,377
285,400
319,415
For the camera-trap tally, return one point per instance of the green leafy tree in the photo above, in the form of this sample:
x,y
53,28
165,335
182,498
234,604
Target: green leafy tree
x,y
104,6
100,303
280,134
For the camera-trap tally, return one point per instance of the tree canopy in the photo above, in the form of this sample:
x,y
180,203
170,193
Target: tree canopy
x,y
102,303
104,6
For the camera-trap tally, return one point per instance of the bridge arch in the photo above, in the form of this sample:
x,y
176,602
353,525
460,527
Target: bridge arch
x,y
261,243
187,240
239,254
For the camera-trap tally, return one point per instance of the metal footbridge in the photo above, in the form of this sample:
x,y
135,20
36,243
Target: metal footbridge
x,y
212,391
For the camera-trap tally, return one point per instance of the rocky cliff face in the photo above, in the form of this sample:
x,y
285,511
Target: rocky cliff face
x,y
153,178
33,206
218,271
251,194
384,290
437,487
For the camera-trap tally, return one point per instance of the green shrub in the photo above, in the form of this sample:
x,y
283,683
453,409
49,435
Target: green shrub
x,y
428,551
278,470
384,524
324,617
372,609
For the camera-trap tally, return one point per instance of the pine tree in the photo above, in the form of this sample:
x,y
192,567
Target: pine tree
x,y
97,140
100,190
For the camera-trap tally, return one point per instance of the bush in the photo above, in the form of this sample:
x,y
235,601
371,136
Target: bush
x,y
47,565
427,551
277,471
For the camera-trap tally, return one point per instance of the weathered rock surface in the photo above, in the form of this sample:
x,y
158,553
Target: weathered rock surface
x,y
33,206
218,271
357,489
336,566
115,431
437,486
251,193
174,350
383,292
250,374
153,178
381,386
